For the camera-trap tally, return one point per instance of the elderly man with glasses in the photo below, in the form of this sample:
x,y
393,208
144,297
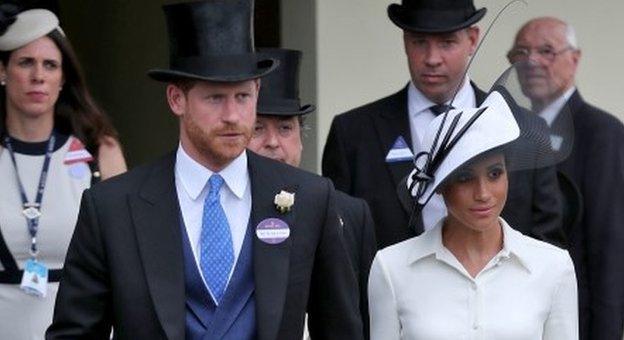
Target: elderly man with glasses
x,y
549,54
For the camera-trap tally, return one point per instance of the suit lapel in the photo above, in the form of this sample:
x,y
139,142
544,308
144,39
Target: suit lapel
x,y
479,94
270,261
567,127
156,221
390,124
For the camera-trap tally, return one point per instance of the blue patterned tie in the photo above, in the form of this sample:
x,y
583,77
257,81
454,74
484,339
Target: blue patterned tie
x,y
217,255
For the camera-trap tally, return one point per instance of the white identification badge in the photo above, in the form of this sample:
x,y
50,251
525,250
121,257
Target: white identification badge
x,y
555,142
35,279
399,152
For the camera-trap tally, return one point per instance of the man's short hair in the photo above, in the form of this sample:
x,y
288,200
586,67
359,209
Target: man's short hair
x,y
570,35
184,84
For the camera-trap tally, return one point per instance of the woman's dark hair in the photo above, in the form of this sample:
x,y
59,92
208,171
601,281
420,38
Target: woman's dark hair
x,y
75,111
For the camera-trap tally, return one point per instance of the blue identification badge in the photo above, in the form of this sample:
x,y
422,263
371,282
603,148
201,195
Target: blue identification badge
x,y
399,152
35,279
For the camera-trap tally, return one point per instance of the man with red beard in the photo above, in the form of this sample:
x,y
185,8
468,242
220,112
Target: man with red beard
x,y
547,54
212,241
369,150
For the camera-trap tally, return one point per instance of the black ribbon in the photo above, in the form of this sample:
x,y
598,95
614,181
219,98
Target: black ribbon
x,y
32,223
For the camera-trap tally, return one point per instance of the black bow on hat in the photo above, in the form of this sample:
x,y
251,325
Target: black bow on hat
x,y
212,40
434,16
279,93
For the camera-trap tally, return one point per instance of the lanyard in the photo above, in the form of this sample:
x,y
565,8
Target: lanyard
x,y
32,210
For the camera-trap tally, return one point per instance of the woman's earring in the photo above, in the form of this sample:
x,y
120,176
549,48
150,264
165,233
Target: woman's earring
x,y
2,81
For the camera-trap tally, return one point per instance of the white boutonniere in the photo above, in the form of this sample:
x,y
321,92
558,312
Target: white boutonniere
x,y
284,201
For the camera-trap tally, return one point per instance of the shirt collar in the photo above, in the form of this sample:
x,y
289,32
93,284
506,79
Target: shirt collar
x,y
514,246
430,243
550,112
417,102
194,176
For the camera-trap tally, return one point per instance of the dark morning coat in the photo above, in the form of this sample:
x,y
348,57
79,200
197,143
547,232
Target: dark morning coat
x,y
354,158
124,267
596,166
359,234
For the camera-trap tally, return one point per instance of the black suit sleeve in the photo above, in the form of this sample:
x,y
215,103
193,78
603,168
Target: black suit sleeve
x,y
368,248
604,220
335,164
333,302
82,307
547,207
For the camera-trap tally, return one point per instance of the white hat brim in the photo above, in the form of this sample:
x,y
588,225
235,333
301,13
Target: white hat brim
x,y
29,26
495,127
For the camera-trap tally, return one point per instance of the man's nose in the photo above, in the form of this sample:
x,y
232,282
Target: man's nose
x,y
231,111
433,57
272,138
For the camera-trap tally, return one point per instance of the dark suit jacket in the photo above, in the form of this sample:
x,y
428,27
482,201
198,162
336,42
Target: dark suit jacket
x,y
359,235
354,158
124,266
596,165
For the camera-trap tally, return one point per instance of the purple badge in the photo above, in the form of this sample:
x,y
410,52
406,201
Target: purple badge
x,y
78,170
272,231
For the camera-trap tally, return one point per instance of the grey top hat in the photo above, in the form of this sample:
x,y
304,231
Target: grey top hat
x,y
212,40
279,93
20,29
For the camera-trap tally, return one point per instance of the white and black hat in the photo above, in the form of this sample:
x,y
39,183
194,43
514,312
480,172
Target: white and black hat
x,y
19,29
458,138
502,122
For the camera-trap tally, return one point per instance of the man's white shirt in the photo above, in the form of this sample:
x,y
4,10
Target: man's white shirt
x,y
191,180
551,111
420,117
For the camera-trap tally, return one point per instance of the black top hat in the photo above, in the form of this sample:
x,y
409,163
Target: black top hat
x,y
279,92
212,40
434,16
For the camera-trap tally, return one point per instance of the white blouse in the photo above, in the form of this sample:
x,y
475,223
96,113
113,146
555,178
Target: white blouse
x,y
419,290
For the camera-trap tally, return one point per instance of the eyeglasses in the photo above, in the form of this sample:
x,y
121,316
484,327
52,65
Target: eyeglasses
x,y
547,53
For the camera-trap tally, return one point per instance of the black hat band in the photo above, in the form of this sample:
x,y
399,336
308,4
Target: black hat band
x,y
266,103
443,17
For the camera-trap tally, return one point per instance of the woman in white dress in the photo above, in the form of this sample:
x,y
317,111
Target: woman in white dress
x,y
472,276
54,141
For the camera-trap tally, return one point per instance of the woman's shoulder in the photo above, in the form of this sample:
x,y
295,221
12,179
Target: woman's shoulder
x,y
410,250
539,253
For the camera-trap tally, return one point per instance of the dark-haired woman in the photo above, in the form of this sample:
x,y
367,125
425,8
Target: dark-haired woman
x,y
55,142
472,276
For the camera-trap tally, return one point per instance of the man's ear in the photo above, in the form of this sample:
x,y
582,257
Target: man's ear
x,y
176,99
576,58
473,36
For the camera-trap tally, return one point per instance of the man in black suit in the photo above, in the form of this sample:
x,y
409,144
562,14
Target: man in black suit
x,y
369,149
278,134
547,50
210,242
